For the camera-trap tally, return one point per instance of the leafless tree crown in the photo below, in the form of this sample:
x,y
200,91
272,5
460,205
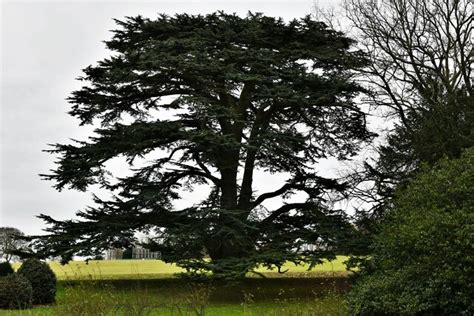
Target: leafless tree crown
x,y
421,50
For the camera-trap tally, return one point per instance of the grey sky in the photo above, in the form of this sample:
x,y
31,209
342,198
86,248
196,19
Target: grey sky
x,y
44,46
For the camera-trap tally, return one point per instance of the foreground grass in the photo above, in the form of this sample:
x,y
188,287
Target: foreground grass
x,y
143,269
271,296
148,287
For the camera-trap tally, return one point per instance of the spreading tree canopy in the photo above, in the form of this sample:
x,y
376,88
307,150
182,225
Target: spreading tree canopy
x,y
201,103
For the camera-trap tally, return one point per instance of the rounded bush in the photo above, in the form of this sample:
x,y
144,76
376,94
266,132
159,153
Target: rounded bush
x,y
42,280
5,269
16,292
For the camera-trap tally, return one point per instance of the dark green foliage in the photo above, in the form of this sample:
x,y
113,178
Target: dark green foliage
x,y
423,257
439,130
15,292
42,278
201,103
5,269
128,253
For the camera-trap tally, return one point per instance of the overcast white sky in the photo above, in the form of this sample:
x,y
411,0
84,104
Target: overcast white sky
x,y
44,46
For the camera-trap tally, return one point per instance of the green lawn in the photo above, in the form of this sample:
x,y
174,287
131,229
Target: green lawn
x,y
147,287
139,269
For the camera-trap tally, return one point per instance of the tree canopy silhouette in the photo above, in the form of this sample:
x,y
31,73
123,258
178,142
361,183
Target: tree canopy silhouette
x,y
201,103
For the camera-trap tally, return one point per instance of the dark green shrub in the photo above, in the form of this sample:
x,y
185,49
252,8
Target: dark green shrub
x,y
5,269
423,257
15,292
42,280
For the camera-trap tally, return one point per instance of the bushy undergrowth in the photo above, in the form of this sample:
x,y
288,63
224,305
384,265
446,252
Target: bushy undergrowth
x,y
422,261
86,298
42,278
15,292
5,269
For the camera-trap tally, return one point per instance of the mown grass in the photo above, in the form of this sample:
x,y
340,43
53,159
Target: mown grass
x,y
144,269
136,287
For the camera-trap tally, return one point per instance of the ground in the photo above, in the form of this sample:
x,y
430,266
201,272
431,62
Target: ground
x,y
147,287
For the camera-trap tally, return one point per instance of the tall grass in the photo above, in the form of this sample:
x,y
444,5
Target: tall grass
x,y
173,297
90,290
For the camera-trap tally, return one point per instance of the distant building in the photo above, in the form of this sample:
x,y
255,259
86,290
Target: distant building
x,y
318,244
142,253
137,253
309,247
114,254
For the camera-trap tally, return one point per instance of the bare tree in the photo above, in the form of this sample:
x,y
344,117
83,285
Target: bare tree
x,y
421,51
9,242
420,75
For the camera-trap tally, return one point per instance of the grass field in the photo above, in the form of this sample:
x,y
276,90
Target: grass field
x,y
144,269
147,287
